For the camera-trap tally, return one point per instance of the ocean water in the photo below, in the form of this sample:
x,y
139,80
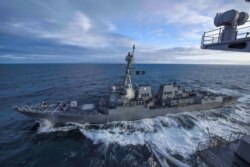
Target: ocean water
x,y
24,142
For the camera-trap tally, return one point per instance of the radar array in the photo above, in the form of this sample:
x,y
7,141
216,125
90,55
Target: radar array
x,y
229,36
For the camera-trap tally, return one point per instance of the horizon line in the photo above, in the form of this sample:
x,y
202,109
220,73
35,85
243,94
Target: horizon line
x,y
58,63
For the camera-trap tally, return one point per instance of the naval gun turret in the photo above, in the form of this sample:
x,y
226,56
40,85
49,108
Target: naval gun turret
x,y
233,33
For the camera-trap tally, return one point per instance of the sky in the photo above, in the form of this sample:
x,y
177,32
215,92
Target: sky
x,y
103,31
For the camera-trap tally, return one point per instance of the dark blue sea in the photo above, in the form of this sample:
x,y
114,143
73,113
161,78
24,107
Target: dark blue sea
x,y
24,142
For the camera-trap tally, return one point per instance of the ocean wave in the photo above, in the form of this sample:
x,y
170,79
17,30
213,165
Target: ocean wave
x,y
170,132
45,126
176,133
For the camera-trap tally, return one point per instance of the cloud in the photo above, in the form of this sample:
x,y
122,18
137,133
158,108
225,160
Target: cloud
x,y
91,31
191,18
81,32
12,57
111,27
82,21
159,32
192,55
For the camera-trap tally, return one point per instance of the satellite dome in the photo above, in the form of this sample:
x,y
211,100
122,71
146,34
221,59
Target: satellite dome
x,y
243,17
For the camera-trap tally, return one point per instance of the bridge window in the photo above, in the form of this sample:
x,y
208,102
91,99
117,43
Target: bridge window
x,y
167,93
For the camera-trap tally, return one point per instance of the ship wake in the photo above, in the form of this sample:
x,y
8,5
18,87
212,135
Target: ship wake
x,y
175,133
45,126
178,134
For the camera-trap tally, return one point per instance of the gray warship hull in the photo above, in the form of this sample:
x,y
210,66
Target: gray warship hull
x,y
119,114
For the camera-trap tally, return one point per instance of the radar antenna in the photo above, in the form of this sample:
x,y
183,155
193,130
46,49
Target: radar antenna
x,y
128,84
229,36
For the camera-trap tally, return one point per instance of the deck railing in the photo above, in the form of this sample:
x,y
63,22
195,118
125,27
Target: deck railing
x,y
217,141
215,36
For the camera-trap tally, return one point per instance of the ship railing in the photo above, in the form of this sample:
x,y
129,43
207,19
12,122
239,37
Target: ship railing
x,y
215,36
217,141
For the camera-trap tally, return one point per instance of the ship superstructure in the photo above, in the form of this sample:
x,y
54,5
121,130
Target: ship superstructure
x,y
169,95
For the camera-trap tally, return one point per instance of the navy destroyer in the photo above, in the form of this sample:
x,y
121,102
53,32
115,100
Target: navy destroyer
x,y
128,102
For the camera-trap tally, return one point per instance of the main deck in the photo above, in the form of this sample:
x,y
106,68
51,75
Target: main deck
x,y
119,114
221,152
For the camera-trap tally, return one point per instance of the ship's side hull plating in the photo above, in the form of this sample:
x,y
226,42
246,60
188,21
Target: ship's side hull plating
x,y
119,114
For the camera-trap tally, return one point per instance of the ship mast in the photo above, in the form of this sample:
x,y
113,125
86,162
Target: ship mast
x,y
128,85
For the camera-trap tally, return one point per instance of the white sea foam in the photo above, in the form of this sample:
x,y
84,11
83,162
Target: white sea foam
x,y
168,132
241,113
45,126
173,137
225,91
245,99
